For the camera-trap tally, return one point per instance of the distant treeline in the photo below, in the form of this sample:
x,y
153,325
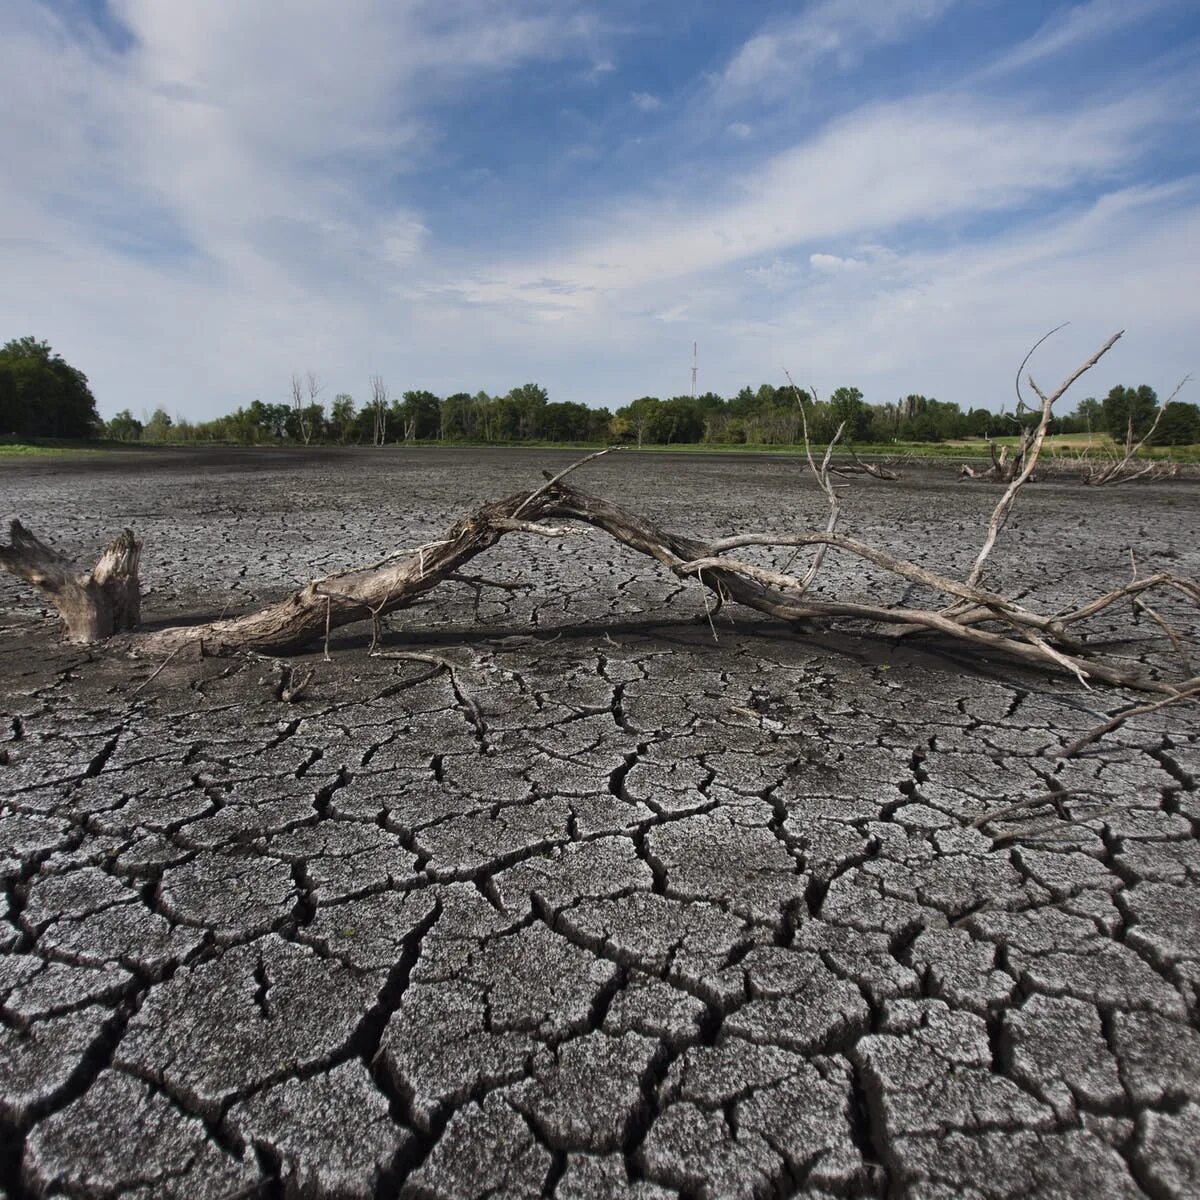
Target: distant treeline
x,y
42,396
766,415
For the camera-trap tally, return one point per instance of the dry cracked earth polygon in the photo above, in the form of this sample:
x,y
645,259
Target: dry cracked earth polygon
x,y
613,910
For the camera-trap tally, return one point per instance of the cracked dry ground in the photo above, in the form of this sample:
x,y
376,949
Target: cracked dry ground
x,y
614,911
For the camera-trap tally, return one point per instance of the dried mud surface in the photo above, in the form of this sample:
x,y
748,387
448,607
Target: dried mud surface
x,y
610,911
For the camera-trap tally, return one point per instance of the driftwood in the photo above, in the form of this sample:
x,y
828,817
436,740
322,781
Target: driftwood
x,y
1007,462
856,466
104,602
1125,467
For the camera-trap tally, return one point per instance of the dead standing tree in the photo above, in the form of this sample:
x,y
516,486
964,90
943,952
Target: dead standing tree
x,y
302,422
379,408
103,602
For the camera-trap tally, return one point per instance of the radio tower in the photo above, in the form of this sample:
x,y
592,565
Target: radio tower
x,y
694,368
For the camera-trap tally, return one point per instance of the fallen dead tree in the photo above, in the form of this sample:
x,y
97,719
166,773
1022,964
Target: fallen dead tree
x,y
1125,467
1007,461
103,602
877,470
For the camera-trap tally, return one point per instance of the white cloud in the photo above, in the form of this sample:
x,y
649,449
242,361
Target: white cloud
x,y
645,101
402,236
677,312
1083,23
954,322
884,167
774,274
739,130
212,191
839,31
832,264
194,219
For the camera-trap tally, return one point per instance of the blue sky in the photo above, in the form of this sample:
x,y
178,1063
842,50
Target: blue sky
x,y
201,197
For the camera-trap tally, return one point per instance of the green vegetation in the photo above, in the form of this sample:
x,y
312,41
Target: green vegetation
x,y
41,395
763,418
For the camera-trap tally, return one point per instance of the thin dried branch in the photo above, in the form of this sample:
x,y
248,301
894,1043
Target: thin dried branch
x,y
1030,456
1189,691
821,474
1124,469
553,479
1038,801
857,467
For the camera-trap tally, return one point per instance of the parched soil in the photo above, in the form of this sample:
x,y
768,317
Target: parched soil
x,y
613,908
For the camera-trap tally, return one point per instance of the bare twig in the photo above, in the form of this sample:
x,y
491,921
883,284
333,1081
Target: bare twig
x,y
293,683
1122,470
162,666
1042,798
541,491
1190,692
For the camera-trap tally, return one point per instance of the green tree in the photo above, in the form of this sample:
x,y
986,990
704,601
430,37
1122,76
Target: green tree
x,y
457,417
41,395
158,428
341,417
1125,406
418,416
637,419
306,424
1180,425
529,400
846,406
680,420
124,427
1087,417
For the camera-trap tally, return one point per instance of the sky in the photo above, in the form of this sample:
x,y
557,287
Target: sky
x,y
201,197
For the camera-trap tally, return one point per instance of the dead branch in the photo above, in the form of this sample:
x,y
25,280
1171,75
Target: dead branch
x,y
1189,691
821,474
104,601
857,467
1031,450
1124,467
1038,801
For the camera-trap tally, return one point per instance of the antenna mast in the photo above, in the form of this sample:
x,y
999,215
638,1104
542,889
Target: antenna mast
x,y
694,369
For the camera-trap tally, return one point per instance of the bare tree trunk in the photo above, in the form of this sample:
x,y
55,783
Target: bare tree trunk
x,y
315,388
93,604
298,405
379,399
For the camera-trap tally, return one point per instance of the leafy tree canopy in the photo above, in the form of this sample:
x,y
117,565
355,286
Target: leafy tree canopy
x,y
1124,405
41,395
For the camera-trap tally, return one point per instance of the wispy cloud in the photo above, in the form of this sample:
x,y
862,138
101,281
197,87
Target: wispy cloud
x,y
923,161
1074,27
831,32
